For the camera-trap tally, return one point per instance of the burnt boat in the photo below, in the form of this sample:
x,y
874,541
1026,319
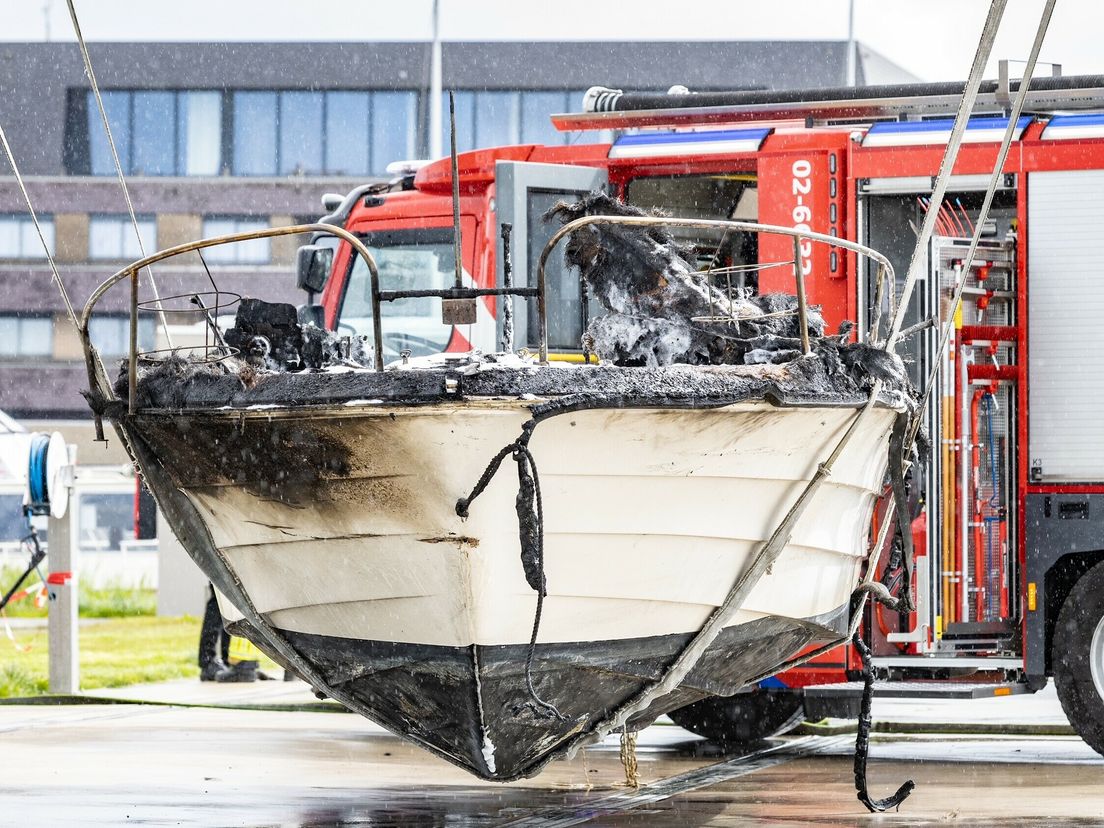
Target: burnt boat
x,y
502,558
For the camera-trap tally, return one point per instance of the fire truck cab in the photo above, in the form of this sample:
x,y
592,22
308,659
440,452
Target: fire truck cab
x,y
1008,517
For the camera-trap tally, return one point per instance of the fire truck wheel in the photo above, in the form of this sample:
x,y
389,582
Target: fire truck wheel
x,y
732,722
1078,657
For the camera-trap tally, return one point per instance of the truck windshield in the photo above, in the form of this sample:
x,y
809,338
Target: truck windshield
x,y
407,260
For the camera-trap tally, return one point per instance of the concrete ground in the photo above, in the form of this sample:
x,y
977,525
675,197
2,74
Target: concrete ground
x,y
165,763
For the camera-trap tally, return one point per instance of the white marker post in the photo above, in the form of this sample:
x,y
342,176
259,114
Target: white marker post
x,y
61,587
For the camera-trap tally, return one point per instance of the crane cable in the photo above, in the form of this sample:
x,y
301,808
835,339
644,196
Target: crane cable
x,y
38,227
118,164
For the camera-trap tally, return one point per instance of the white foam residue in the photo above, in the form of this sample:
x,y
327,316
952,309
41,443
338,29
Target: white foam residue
x,y
488,752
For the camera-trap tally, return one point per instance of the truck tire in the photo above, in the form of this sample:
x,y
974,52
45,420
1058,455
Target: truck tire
x,y
734,722
1077,657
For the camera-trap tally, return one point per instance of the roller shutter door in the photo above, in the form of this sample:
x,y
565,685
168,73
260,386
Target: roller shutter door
x,y
1065,226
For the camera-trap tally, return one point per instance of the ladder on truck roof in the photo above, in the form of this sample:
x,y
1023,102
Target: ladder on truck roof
x,y
614,109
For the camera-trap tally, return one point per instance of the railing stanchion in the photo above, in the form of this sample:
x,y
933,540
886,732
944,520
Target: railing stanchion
x,y
377,318
802,307
132,365
873,335
542,312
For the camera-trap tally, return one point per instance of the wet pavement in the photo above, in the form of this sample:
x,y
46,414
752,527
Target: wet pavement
x,y
107,764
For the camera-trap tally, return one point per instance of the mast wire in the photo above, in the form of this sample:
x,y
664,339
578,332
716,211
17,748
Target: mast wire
x,y
118,164
38,227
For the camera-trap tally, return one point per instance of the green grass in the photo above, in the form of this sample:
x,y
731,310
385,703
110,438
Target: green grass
x,y
111,600
113,653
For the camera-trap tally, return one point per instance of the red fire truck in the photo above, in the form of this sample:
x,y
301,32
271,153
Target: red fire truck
x,y
1009,514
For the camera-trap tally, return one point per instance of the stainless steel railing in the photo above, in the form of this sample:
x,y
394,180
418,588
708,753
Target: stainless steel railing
x,y
98,377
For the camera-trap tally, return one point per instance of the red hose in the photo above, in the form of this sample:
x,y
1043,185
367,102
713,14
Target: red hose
x,y
979,538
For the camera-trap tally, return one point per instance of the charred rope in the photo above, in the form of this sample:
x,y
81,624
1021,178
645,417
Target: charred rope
x,y
862,737
901,603
507,282
530,512
898,458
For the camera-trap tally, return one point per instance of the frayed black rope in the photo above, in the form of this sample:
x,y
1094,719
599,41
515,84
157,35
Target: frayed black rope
x,y
898,456
530,509
492,468
862,739
530,512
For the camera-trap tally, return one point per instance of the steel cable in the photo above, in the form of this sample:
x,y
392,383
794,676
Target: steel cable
x,y
118,164
38,228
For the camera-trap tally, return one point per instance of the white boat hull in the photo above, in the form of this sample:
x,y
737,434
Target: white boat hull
x,y
346,540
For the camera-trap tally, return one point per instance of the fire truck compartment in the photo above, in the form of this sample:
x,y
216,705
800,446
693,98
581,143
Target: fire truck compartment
x,y
1065,303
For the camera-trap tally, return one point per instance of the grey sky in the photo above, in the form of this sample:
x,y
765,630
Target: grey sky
x,y
934,39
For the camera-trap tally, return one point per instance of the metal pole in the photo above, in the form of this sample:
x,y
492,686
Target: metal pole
x,y
435,149
802,307
132,365
507,282
852,58
63,643
456,246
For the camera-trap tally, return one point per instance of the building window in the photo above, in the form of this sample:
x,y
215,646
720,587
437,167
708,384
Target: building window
x,y
283,132
500,118
301,132
254,251
105,520
26,336
394,129
255,120
156,133
322,133
112,237
348,152
19,239
111,334
13,525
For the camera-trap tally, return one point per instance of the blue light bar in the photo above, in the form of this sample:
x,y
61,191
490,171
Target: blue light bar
x,y
1072,127
712,142
979,130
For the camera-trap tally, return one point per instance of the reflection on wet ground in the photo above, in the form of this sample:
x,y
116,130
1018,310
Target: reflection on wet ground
x,y
106,765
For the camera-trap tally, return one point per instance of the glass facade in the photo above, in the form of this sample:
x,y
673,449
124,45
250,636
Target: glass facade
x,y
254,251
26,336
19,239
112,237
322,133
281,133
156,133
301,133
490,118
111,334
255,121
394,133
